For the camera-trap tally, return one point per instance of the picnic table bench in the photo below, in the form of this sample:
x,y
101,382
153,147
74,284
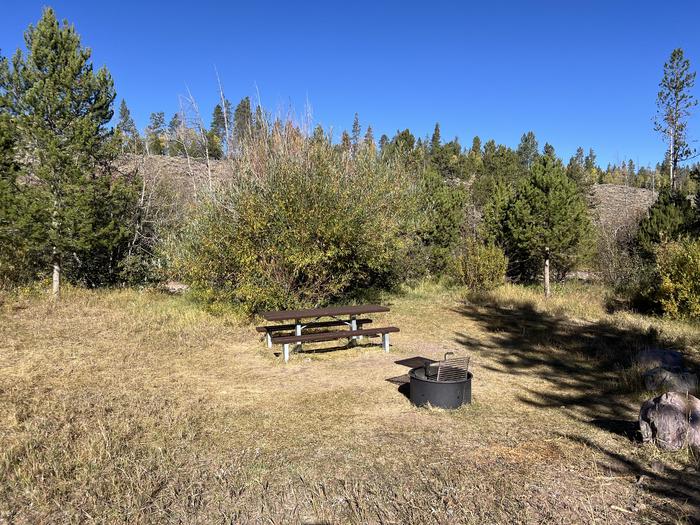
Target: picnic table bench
x,y
311,318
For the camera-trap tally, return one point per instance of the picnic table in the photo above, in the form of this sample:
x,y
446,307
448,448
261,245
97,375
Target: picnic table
x,y
316,318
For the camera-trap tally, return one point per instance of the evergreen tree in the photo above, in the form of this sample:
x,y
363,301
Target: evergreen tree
x,y
435,141
128,134
175,144
383,142
355,138
589,163
259,123
590,166
674,103
450,162
444,210
476,147
528,149
22,218
62,107
369,139
547,211
576,169
669,219
631,173
318,137
494,214
548,151
243,121
155,134
220,123
345,141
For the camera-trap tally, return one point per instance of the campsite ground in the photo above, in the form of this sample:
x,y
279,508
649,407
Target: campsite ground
x,y
142,407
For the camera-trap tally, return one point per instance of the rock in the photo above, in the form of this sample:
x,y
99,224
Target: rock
x,y
175,287
659,357
673,380
671,420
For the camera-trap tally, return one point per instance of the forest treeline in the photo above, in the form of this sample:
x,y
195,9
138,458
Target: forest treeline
x,y
187,135
302,219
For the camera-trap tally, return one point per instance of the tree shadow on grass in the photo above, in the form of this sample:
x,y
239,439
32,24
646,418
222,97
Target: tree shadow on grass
x,y
586,368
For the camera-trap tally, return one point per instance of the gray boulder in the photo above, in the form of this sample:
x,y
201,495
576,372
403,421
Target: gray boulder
x,y
671,421
658,357
673,380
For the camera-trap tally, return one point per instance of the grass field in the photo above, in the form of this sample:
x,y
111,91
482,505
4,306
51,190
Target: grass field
x,y
139,407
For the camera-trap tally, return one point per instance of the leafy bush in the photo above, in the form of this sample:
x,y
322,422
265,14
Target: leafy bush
x,y
300,223
480,266
678,283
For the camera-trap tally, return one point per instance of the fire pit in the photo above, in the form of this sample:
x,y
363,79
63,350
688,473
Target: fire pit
x,y
443,384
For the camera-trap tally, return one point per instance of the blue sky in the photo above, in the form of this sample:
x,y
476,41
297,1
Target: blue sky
x,y
576,73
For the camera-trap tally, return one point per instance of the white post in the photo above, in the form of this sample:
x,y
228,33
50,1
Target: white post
x,y
546,273
269,339
285,348
353,327
385,342
297,331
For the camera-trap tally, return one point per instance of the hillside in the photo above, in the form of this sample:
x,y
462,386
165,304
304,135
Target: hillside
x,y
612,205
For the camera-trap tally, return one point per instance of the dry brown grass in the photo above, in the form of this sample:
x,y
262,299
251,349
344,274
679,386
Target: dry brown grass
x,y
126,406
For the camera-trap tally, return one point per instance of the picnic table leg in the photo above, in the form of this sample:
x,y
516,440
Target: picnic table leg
x,y
286,352
385,342
353,326
297,331
269,340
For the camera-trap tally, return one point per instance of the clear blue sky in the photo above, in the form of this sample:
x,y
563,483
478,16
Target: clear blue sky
x,y
576,73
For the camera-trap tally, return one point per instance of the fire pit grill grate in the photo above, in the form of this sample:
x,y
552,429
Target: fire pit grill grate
x,y
452,369
444,384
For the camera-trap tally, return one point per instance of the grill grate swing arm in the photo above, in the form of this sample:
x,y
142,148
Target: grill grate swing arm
x,y
453,368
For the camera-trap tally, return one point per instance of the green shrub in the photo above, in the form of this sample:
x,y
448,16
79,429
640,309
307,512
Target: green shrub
x,y
670,218
678,283
301,223
480,266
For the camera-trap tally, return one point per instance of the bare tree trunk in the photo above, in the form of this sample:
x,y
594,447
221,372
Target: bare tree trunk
x,y
546,273
56,289
227,138
673,147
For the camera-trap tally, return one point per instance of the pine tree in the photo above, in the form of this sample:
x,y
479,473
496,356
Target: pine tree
x,y
243,121
528,149
674,103
548,151
547,211
260,124
369,139
175,136
345,142
494,214
435,141
669,219
631,173
576,169
218,122
128,134
476,147
155,134
383,142
62,108
18,225
318,137
356,130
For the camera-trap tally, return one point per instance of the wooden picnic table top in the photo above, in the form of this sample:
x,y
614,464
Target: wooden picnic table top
x,y
285,315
